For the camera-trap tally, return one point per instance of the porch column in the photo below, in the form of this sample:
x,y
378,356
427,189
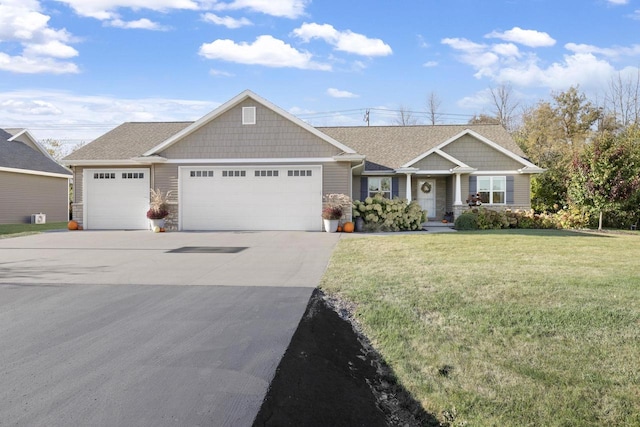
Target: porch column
x,y
458,200
409,187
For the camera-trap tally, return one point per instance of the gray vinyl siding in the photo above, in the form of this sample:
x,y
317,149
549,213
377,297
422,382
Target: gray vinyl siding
x,y
22,195
522,190
479,155
336,177
434,162
271,137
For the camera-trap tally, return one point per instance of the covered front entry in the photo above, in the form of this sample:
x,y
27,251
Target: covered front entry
x,y
251,197
116,199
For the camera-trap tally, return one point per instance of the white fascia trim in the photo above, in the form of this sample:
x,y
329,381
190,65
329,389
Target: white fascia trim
x,y
407,170
493,173
149,159
101,162
32,172
251,161
232,103
349,157
434,172
437,151
532,170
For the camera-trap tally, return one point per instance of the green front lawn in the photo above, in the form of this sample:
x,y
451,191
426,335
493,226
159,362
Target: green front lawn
x,y
22,229
503,328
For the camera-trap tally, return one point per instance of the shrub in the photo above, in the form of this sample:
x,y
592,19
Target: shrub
x,y
382,214
466,221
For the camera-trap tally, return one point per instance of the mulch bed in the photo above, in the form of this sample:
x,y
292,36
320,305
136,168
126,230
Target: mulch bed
x,y
331,376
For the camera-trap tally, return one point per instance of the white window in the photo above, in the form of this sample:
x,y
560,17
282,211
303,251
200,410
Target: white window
x,y
248,115
381,185
493,189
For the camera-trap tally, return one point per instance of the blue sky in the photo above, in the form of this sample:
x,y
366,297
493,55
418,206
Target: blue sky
x,y
73,69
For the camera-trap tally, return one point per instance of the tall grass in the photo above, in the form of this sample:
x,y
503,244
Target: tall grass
x,y
508,328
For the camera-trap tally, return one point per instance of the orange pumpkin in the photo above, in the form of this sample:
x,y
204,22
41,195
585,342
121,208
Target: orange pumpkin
x,y
348,227
339,229
73,225
162,229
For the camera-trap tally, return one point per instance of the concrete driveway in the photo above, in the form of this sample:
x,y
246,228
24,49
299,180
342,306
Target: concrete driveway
x,y
109,328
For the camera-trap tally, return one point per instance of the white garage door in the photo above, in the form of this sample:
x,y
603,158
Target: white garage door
x,y
116,199
251,198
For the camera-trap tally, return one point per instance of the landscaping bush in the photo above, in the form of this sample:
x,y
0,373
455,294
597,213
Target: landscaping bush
x,y
466,221
383,214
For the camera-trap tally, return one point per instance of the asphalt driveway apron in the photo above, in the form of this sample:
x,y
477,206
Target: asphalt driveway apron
x,y
136,328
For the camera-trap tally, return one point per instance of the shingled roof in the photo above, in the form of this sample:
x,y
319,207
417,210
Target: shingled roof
x,y
18,155
384,146
393,146
128,140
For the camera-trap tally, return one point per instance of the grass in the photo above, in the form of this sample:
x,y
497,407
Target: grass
x,y
11,230
503,328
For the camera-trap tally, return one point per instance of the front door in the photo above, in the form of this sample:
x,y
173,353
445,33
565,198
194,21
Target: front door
x,y
427,196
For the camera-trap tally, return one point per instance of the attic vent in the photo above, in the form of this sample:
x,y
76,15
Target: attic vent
x,y
248,115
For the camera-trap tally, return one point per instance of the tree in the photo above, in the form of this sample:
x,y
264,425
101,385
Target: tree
x,y
483,119
551,135
405,117
607,174
504,104
622,99
433,108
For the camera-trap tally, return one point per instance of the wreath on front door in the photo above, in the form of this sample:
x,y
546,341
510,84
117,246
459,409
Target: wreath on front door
x,y
426,187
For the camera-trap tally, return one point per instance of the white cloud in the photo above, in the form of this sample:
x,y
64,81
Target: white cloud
x,y
281,8
430,64
226,21
53,48
139,24
618,2
531,38
105,9
67,116
266,50
635,15
214,72
336,93
345,41
506,49
504,63
23,24
611,52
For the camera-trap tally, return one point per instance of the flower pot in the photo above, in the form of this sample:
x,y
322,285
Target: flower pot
x,y
359,224
331,225
156,223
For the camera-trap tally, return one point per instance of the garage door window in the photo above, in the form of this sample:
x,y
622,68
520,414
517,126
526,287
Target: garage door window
x,y
260,173
201,174
230,174
132,175
299,173
107,175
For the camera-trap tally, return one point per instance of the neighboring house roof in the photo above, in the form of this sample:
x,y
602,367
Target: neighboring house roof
x,y
16,155
127,141
392,147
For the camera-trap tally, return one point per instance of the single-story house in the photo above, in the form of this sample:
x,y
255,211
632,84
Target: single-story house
x,y
250,165
31,181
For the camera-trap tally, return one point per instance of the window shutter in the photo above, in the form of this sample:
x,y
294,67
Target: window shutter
x,y
364,188
510,185
473,184
395,184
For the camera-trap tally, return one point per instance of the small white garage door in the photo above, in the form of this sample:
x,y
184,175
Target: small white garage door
x,y
251,198
116,199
